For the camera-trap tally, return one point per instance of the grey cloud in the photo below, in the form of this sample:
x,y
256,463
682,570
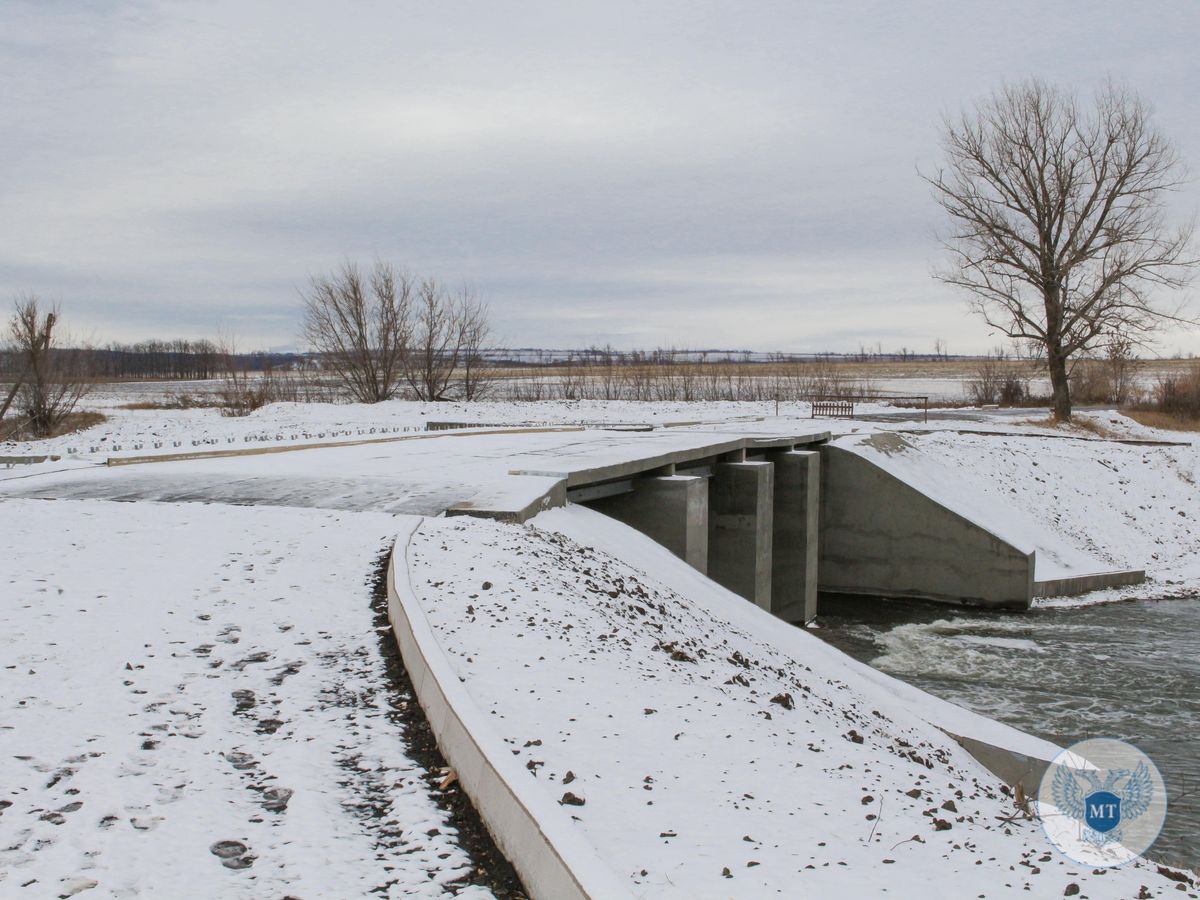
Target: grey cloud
x,y
641,173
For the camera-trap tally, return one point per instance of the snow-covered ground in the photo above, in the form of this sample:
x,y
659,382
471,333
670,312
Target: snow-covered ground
x,y
701,735
193,705
704,749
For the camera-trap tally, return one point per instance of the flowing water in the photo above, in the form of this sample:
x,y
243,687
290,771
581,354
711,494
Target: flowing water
x,y
1124,670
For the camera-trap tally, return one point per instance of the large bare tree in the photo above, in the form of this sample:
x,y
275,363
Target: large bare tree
x,y
361,325
1059,227
50,382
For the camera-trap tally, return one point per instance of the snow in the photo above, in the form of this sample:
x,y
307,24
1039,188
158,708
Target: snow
x,y
716,751
175,676
594,652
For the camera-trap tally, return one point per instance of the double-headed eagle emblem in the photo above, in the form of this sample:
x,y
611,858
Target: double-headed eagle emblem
x,y
1102,806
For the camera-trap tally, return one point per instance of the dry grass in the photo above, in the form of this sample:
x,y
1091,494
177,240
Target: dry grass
x,y
1079,426
1163,421
177,401
76,421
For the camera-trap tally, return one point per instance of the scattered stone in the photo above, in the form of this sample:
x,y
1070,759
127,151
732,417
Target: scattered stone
x,y
569,799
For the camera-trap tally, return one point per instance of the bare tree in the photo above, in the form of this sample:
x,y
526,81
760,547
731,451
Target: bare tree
x,y
361,326
1058,216
436,342
476,333
50,384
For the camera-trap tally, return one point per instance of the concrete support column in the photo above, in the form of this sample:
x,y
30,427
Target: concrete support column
x,y
795,548
740,529
672,510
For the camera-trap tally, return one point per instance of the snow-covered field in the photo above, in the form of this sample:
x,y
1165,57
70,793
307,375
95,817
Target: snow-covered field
x,y
707,751
193,704
716,753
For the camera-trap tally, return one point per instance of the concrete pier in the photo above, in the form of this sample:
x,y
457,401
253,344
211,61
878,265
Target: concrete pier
x,y
795,548
741,528
671,509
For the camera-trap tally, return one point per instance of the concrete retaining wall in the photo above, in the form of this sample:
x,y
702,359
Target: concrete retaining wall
x,y
1081,584
530,830
882,537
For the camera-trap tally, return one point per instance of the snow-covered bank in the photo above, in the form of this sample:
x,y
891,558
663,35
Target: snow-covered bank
x,y
705,749
193,704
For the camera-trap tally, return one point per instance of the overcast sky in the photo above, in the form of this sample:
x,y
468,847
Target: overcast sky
x,y
702,174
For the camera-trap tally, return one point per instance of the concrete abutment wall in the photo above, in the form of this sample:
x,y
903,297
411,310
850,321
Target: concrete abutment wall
x,y
882,537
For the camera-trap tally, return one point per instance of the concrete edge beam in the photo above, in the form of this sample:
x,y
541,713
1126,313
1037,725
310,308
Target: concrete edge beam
x,y
519,511
1009,766
562,866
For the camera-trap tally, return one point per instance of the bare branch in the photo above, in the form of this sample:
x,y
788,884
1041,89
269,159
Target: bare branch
x,y
1058,222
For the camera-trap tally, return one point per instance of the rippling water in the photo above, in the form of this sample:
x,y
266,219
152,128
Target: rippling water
x,y
1124,670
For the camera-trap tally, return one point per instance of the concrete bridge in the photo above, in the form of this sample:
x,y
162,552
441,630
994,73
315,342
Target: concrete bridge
x,y
784,519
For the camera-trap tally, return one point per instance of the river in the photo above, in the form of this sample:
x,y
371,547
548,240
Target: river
x,y
1124,670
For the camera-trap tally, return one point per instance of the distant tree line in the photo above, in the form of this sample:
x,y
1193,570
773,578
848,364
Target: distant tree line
x,y
156,360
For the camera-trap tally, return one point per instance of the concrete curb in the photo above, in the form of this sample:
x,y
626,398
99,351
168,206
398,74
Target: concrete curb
x,y
538,838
